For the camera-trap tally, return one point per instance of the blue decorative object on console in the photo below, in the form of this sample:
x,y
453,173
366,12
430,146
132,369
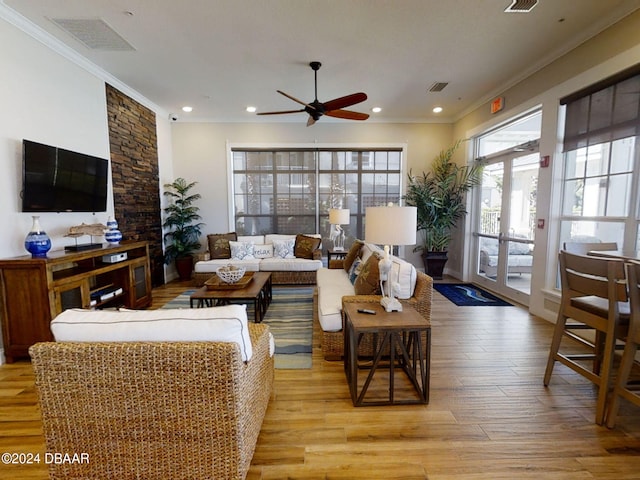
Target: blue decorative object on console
x,y
112,235
37,242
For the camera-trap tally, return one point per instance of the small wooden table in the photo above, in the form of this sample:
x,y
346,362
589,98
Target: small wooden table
x,y
259,290
338,254
400,335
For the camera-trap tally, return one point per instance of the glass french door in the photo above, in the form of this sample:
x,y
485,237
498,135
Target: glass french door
x,y
506,223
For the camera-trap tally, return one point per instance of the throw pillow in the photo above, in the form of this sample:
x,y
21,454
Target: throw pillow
x,y
284,248
305,246
241,250
263,250
368,280
353,253
355,269
219,244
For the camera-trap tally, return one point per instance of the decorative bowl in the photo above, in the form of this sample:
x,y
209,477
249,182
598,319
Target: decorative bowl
x,y
230,273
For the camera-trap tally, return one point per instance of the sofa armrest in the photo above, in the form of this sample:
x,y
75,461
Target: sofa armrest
x,y
201,256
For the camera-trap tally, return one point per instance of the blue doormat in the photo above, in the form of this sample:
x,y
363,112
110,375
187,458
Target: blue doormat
x,y
467,295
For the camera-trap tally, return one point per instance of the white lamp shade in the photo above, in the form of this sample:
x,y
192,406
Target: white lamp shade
x,y
391,225
339,216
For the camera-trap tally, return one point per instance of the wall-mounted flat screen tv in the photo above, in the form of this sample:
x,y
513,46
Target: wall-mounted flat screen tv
x,y
58,180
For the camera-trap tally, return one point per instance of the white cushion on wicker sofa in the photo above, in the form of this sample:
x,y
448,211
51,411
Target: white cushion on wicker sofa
x,y
333,284
218,324
275,264
210,266
271,263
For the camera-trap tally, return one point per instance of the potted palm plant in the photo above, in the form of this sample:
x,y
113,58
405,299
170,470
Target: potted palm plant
x,y
439,196
182,230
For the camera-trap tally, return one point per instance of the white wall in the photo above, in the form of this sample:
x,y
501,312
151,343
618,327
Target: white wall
x,y
613,50
48,98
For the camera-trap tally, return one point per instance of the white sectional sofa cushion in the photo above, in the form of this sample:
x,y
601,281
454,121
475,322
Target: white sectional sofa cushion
x,y
333,284
210,266
219,324
275,264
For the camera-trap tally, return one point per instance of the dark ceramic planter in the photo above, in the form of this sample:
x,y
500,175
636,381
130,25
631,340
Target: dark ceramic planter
x,y
434,264
184,266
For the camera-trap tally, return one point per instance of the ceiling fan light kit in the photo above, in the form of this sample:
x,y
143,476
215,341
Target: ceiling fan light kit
x,y
332,108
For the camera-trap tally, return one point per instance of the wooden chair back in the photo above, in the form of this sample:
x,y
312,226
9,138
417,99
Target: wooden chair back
x,y
622,389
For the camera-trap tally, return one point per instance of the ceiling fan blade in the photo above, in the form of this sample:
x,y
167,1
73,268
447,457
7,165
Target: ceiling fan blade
x,y
348,114
345,101
281,111
310,121
294,99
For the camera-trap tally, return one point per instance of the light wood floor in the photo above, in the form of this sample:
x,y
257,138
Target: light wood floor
x,y
489,416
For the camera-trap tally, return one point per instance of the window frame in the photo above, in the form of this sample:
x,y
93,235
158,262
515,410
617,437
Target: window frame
x,y
322,203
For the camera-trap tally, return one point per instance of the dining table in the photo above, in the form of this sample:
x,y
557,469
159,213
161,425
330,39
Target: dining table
x,y
620,254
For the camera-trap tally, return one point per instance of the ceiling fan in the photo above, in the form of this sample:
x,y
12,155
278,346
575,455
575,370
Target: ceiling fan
x,y
332,108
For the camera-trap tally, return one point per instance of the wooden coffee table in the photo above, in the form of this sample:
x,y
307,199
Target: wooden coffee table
x,y
397,345
258,291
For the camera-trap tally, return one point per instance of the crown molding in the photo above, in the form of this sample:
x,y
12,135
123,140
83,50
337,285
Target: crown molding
x,y
34,31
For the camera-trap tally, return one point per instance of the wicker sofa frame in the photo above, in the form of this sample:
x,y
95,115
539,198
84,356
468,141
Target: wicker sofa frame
x,y
332,343
277,278
153,410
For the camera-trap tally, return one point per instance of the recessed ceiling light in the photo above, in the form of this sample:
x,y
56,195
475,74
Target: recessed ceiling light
x,y
251,109
187,109
437,109
376,109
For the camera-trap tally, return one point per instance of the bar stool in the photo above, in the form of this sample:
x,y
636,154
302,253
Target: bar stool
x,y
622,388
594,295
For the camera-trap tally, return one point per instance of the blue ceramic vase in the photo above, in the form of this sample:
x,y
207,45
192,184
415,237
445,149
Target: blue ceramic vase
x,y
37,241
113,235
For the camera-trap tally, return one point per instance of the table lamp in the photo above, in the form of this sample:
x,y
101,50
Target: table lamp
x,y
337,217
390,226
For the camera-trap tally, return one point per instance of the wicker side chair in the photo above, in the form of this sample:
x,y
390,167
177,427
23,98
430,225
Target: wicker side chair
x,y
333,342
178,410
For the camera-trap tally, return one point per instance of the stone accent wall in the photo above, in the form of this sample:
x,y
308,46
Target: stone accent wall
x,y
134,171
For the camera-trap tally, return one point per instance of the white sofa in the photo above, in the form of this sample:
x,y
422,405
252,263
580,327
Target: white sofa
x,y
265,253
334,286
164,393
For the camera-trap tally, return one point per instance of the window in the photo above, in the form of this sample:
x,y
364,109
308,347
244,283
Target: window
x,y
291,191
600,187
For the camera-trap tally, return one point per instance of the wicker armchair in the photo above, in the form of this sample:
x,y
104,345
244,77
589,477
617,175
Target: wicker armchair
x,y
178,410
333,342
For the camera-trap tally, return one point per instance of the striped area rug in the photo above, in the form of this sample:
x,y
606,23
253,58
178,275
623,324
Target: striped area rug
x,y
290,319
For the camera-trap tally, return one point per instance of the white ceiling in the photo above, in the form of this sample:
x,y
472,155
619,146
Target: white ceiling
x,y
221,56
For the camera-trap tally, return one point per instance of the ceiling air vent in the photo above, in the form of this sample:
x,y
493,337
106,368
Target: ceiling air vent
x,y
438,86
521,6
94,33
